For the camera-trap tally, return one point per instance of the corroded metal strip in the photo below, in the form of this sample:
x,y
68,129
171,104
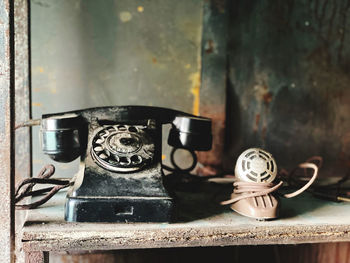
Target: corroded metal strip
x,y
22,88
6,130
22,106
213,77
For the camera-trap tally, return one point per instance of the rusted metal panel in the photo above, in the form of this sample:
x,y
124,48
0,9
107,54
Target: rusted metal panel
x,y
289,80
214,77
6,132
22,107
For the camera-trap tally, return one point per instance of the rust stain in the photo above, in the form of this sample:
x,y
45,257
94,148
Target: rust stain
x,y
213,159
154,60
267,97
195,90
264,97
209,47
257,120
36,104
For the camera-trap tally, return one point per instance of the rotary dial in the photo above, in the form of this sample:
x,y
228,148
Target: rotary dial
x,y
122,148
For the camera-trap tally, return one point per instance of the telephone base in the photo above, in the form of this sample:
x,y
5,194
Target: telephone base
x,y
118,209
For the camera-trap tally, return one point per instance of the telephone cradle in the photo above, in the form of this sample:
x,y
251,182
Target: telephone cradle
x,y
120,177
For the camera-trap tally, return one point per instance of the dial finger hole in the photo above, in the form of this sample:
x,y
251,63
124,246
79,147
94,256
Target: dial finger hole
x,y
124,161
113,162
103,156
110,129
116,158
99,141
136,159
132,129
98,149
105,133
122,128
107,153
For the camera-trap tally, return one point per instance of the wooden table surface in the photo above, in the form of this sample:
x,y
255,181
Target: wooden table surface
x,y
303,219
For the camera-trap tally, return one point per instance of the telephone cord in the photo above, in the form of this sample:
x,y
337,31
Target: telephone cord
x,y
254,189
25,188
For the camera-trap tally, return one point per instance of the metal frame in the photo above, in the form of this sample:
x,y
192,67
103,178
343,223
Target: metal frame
x,y
14,107
22,105
6,130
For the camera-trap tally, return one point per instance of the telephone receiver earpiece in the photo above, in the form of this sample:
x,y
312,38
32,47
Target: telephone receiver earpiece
x,y
61,137
191,133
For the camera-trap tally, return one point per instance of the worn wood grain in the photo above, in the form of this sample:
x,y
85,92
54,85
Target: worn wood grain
x,y
303,220
304,253
37,257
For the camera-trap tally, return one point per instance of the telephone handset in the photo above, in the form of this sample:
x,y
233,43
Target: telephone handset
x,y
120,176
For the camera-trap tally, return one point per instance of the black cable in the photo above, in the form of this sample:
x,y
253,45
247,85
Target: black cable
x,y
25,187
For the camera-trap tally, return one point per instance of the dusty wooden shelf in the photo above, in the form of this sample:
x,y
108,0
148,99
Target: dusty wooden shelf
x,y
304,220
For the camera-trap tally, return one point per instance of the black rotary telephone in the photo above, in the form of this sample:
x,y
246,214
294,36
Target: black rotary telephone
x,y
120,177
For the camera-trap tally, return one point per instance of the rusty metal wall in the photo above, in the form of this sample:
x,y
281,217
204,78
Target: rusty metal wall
x,y
289,79
6,132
